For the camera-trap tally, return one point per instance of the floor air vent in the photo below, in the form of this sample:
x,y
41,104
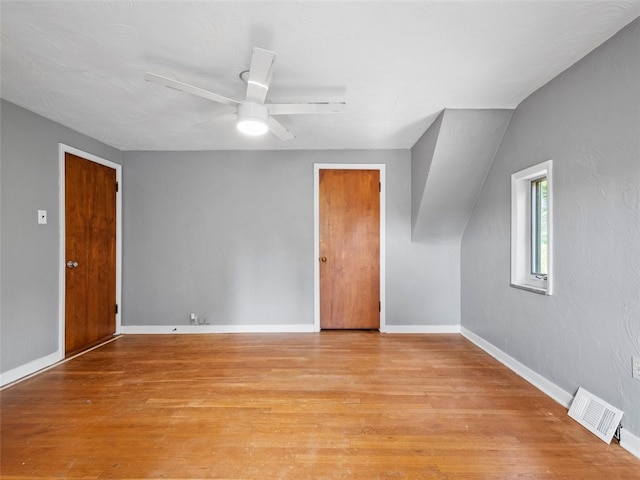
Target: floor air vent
x,y
595,415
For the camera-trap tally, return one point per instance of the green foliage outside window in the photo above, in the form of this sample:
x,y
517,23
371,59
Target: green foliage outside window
x,y
539,227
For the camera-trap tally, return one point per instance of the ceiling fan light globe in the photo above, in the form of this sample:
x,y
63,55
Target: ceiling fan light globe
x,y
252,126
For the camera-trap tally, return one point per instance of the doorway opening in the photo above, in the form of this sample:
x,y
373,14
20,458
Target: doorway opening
x,y
90,250
349,226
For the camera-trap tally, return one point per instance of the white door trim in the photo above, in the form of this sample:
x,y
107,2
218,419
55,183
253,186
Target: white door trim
x,y
62,150
316,232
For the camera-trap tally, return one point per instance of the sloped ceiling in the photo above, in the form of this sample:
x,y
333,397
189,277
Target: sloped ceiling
x,y
396,64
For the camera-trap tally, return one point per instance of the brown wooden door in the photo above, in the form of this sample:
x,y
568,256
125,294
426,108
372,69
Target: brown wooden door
x,y
349,229
90,239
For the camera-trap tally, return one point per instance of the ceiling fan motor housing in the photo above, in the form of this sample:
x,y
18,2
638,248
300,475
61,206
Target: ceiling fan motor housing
x,y
252,118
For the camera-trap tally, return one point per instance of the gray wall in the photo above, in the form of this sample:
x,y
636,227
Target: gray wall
x,y
588,121
29,175
450,181
229,236
421,157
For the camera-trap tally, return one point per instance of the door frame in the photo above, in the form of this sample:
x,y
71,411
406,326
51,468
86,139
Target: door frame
x,y
62,150
316,233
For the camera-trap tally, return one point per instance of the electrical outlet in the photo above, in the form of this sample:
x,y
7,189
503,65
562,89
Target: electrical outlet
x,y
636,367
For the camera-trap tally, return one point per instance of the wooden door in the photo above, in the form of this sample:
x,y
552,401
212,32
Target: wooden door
x,y
90,248
349,230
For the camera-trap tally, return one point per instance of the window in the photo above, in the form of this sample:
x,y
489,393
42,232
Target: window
x,y
531,227
539,227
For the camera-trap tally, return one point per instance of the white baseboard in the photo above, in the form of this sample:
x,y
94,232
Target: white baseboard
x,y
30,368
186,329
561,396
421,329
628,441
299,328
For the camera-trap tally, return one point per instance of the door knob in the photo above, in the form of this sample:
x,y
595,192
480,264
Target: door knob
x,y
323,259
72,264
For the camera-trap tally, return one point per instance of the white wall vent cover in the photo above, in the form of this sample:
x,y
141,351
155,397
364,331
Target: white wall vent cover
x,y
595,415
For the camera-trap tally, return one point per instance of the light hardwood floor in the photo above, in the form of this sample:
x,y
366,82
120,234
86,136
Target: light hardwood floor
x,y
334,405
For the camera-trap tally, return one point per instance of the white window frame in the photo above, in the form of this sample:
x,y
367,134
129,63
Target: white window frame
x,y
521,238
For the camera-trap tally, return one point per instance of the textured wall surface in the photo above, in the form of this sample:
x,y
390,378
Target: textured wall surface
x,y
229,236
588,121
30,252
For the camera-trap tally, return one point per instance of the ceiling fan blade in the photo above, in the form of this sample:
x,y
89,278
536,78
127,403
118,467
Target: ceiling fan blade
x,y
303,108
279,130
260,73
183,87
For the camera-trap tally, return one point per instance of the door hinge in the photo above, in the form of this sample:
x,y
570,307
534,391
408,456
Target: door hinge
x,y
379,307
116,308
117,187
379,187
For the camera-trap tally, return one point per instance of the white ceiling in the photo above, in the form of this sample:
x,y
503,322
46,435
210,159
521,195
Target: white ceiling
x,y
396,64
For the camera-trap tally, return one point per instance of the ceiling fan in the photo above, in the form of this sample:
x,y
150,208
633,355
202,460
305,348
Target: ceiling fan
x,y
255,117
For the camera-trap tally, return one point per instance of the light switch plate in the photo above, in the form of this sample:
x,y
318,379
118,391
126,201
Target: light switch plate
x,y
42,217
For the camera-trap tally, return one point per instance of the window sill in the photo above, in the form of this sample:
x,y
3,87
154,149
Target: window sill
x,y
529,288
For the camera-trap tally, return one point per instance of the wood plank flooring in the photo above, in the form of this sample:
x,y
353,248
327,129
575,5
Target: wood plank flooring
x,y
334,405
